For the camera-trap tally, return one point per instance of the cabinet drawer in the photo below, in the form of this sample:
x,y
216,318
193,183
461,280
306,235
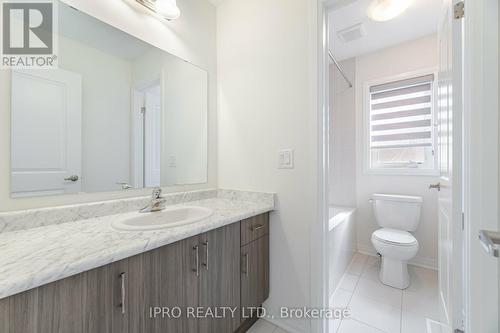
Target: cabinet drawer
x,y
254,228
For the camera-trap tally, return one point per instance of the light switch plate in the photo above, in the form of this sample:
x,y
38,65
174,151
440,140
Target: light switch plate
x,y
285,159
172,161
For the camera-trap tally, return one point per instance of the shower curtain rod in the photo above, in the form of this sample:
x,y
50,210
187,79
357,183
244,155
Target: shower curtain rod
x,y
339,68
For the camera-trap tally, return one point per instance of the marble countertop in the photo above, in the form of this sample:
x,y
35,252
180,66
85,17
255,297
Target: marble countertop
x,y
37,256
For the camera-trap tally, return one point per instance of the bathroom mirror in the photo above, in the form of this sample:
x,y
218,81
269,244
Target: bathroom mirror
x,y
117,114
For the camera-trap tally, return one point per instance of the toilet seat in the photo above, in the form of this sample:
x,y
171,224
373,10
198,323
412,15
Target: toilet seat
x,y
395,237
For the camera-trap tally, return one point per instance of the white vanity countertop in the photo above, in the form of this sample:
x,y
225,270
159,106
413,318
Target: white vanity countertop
x,y
37,256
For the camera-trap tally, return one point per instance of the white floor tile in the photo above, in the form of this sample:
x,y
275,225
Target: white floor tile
x,y
422,304
353,326
262,326
340,299
413,323
378,292
334,325
372,269
423,280
357,264
375,314
349,282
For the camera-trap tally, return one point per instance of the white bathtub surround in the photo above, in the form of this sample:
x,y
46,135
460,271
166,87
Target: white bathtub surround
x,y
33,257
376,307
341,243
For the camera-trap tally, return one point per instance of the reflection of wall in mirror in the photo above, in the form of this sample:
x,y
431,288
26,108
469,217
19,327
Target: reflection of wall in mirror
x,y
105,118
184,149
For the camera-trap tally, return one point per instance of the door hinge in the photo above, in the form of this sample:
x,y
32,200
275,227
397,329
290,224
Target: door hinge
x,y
459,10
143,110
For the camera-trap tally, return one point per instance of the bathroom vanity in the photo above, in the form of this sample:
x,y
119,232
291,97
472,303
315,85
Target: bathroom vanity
x,y
186,285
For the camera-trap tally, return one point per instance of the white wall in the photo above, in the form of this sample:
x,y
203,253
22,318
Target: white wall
x,y
266,53
407,57
105,87
191,37
342,181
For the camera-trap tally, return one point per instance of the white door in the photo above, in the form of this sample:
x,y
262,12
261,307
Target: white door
x,y
482,168
449,121
46,132
152,137
146,132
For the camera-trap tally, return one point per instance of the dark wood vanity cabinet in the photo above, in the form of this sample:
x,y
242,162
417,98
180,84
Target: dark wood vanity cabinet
x,y
87,302
255,264
202,272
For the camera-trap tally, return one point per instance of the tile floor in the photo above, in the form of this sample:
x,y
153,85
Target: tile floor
x,y
377,308
262,326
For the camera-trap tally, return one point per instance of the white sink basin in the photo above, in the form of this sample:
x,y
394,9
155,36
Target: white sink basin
x,y
168,218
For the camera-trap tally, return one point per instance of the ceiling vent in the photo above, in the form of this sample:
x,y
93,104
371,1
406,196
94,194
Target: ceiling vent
x,y
351,33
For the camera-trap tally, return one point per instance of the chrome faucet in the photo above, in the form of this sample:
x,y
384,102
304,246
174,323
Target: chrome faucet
x,y
157,203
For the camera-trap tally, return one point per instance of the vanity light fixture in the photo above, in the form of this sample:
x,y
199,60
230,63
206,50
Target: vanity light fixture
x,y
165,8
385,10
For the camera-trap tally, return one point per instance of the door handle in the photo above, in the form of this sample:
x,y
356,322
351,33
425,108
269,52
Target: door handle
x,y
196,248
73,178
435,187
258,227
490,240
122,304
246,264
205,244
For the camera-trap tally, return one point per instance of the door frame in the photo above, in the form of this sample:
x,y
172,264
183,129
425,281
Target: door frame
x,y
319,236
481,179
475,186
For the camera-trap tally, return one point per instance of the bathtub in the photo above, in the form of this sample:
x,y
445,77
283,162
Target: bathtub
x,y
341,242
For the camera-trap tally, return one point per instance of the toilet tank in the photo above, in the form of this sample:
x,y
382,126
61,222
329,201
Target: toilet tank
x,y
397,211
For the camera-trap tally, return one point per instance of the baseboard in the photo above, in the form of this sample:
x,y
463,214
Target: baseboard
x,y
417,261
283,326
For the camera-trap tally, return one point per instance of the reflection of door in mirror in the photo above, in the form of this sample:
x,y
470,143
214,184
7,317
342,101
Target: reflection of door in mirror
x,y
146,119
46,132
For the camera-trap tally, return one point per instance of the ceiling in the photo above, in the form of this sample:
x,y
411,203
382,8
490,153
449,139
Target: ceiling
x,y
99,35
420,19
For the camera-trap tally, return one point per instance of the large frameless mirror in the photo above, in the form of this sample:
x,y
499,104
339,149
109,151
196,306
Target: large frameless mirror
x,y
116,114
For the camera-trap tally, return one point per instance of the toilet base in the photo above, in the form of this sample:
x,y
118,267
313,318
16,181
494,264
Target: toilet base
x,y
394,273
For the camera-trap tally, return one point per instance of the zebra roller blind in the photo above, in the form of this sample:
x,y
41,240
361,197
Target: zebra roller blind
x,y
401,113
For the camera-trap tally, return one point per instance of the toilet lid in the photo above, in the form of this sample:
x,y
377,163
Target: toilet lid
x,y
395,237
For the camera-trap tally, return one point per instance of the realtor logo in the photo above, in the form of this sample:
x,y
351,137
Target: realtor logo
x,y
29,34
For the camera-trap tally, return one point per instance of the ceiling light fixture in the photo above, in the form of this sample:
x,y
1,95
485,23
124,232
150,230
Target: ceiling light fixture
x,y
385,10
165,8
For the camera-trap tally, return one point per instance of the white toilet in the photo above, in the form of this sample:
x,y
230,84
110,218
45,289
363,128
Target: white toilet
x,y
398,215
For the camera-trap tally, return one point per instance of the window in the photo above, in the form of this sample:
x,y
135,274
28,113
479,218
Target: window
x,y
401,129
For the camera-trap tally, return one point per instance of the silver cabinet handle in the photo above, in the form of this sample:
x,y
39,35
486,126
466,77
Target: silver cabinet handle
x,y
73,178
258,227
435,187
490,240
205,244
197,258
122,278
246,264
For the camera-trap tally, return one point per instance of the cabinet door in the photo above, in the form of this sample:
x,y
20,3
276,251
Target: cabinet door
x,y
254,274
166,279
54,308
219,284
103,291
